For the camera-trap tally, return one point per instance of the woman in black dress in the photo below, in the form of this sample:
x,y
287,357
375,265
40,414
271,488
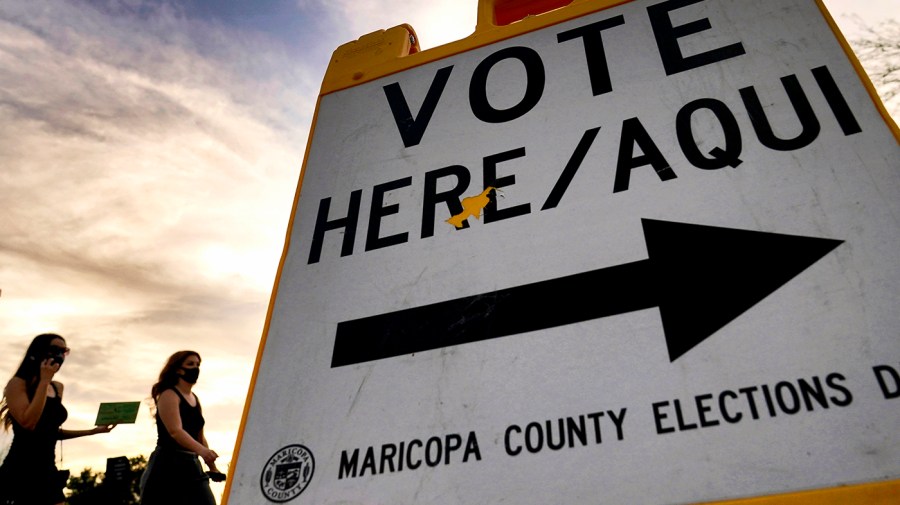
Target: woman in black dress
x,y
174,475
32,406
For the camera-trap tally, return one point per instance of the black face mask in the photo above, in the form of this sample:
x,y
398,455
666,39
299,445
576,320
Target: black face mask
x,y
191,374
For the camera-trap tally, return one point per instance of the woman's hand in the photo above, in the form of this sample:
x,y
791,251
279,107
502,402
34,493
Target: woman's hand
x,y
48,370
103,428
209,456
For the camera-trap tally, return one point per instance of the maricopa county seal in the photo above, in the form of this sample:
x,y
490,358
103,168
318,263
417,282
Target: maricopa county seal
x,y
287,473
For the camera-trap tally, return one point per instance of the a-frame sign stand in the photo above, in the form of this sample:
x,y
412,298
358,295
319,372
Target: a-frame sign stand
x,y
598,251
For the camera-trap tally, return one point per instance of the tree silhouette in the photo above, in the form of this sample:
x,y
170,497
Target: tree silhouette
x,y
93,488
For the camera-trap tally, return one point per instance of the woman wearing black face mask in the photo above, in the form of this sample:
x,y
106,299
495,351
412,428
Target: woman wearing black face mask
x,y
174,475
32,406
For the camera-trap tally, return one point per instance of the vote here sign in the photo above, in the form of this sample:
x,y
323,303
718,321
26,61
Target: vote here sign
x,y
648,254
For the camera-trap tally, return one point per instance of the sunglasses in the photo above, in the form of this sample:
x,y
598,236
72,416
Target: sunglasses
x,y
57,350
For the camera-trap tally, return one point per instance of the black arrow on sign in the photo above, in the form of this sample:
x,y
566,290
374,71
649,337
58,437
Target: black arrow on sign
x,y
700,277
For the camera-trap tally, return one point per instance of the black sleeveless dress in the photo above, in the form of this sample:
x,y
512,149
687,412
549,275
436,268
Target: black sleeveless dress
x,y
174,475
29,474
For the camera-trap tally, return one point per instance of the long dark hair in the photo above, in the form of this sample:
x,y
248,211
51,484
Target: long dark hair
x,y
168,377
29,371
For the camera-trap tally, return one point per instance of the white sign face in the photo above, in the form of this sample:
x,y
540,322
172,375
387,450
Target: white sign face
x,y
649,255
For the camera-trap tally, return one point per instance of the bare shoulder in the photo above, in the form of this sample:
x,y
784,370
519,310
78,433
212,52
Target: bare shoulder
x,y
167,406
16,396
59,387
168,396
14,385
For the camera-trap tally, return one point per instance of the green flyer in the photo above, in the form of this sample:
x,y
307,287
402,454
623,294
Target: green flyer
x,y
117,413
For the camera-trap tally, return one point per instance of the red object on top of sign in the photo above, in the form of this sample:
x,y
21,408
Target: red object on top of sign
x,y
510,11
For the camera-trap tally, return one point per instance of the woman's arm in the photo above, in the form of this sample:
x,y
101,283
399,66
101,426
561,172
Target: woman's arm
x,y
67,434
28,413
212,466
167,410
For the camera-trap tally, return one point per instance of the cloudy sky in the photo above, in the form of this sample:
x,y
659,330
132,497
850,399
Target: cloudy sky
x,y
149,153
